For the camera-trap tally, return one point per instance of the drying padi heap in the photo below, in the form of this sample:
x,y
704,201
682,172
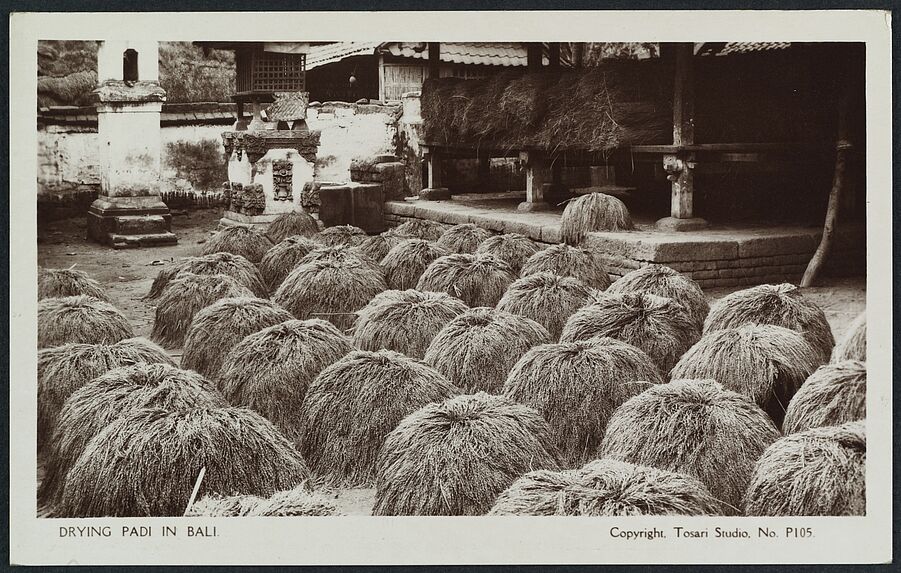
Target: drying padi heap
x,y
185,296
478,348
146,463
64,369
512,248
292,223
455,457
270,370
294,502
821,471
339,253
118,392
220,326
370,392
242,240
405,263
853,346
422,228
576,386
477,280
283,258
57,283
80,319
463,238
659,326
330,289
342,235
228,264
546,298
694,427
568,261
606,488
765,363
782,305
595,110
834,394
404,321
593,212
378,246
664,281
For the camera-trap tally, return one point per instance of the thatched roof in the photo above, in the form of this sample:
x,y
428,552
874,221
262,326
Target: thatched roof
x,y
597,109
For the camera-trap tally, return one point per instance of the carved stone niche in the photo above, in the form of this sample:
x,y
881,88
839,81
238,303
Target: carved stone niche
x,y
282,182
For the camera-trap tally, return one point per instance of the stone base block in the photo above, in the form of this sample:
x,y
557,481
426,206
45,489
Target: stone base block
x,y
435,194
358,204
128,222
533,207
674,224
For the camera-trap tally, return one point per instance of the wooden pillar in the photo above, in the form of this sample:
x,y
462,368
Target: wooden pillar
x,y
534,51
433,191
554,55
484,169
434,59
434,170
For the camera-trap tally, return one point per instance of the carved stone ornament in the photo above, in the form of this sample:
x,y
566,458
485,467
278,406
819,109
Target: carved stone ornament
x,y
282,180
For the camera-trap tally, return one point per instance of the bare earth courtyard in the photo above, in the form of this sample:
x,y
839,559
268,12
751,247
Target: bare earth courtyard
x,y
127,275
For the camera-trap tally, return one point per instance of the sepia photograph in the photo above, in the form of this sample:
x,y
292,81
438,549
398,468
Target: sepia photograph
x,y
281,276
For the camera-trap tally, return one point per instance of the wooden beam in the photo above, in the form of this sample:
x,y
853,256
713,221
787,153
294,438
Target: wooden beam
x,y
434,59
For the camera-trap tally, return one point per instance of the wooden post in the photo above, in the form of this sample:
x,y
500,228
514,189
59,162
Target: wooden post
x,y
536,176
484,169
684,96
554,55
534,51
434,170
434,59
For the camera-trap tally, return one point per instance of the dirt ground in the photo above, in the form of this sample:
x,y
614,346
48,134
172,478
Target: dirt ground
x,y
128,274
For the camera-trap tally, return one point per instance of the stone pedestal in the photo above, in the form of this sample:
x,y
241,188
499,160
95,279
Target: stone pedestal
x,y
689,224
129,211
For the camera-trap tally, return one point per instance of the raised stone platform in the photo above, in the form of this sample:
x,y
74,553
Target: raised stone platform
x,y
715,256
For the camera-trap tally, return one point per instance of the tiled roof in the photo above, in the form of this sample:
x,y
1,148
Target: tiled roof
x,y
337,51
482,53
732,48
172,114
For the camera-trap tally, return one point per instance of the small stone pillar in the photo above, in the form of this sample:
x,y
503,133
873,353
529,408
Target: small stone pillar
x,y
129,211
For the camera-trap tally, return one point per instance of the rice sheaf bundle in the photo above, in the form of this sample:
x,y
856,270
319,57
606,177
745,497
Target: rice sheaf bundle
x,y
593,212
293,502
568,261
146,463
782,305
185,296
821,471
512,248
477,349
477,280
347,235
339,253
659,326
290,224
377,247
853,345
217,328
80,319
235,266
64,369
405,263
283,258
664,281
463,238
764,362
694,427
122,390
242,240
576,386
58,283
404,321
455,457
606,488
355,402
269,371
546,298
423,229
836,393
333,290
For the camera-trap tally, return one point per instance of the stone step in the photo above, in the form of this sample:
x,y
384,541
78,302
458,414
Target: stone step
x,y
119,241
141,224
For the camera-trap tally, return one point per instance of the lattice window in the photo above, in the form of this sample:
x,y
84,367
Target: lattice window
x,y
279,72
